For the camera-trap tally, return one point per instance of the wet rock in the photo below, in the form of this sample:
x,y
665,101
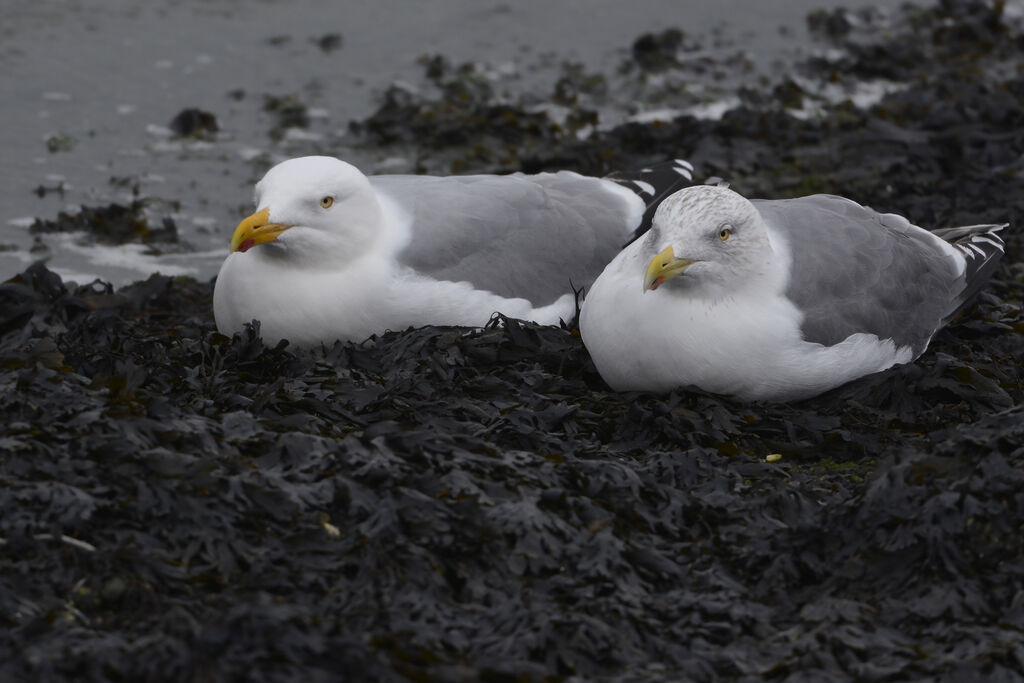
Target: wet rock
x,y
329,42
194,122
60,142
658,51
43,190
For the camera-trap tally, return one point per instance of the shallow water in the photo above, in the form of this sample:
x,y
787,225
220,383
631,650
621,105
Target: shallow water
x,y
101,81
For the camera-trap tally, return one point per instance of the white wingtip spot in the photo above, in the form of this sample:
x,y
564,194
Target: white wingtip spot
x,y
684,163
646,188
993,240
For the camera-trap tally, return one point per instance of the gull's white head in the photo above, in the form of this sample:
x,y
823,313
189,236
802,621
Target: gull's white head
x,y
706,239
311,207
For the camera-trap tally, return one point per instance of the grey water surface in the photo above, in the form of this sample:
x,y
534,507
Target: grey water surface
x,y
90,87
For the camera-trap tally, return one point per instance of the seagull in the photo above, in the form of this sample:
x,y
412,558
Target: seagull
x,y
331,253
776,300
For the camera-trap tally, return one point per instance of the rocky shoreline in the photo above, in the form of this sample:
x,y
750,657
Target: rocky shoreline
x,y
453,504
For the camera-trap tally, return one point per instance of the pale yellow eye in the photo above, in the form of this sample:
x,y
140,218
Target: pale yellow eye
x,y
327,202
724,233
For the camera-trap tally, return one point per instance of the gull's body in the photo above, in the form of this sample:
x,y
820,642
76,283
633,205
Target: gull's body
x,y
333,254
776,300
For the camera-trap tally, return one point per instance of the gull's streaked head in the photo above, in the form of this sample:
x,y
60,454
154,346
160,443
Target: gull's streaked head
x,y
705,237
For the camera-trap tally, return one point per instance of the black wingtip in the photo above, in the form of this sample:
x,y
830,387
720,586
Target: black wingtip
x,y
982,248
654,184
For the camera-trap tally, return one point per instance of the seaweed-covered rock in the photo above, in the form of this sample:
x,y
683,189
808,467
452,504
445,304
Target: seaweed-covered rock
x,y
466,116
193,122
329,42
60,142
445,502
288,111
111,224
659,51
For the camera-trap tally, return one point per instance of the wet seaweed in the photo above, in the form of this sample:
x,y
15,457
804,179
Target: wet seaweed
x,y
288,111
449,504
660,51
193,122
442,501
60,142
111,224
329,42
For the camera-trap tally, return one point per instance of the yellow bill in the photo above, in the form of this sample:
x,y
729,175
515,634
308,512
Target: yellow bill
x,y
664,266
256,230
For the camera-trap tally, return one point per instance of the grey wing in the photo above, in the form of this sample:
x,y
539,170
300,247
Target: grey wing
x,y
529,236
856,270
